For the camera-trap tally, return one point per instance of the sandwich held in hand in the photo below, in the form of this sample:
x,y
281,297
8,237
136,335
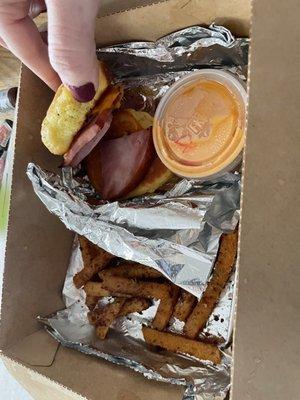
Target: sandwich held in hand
x,y
114,145
96,126
66,116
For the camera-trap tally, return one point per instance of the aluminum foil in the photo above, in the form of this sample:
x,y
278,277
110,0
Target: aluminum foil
x,y
185,50
126,346
218,328
147,69
176,232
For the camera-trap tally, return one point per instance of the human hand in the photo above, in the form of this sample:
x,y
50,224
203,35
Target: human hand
x,y
70,56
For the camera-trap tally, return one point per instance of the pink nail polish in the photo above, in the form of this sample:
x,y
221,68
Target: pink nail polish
x,y
83,93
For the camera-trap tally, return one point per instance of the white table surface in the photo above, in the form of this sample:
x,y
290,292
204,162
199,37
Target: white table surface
x,y
10,389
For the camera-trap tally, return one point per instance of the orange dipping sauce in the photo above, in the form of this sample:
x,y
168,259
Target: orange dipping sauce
x,y
199,126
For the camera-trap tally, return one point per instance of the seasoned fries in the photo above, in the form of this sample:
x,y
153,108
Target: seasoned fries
x,y
223,268
184,306
91,302
134,305
134,270
95,289
94,259
165,309
88,250
179,344
118,284
104,317
132,287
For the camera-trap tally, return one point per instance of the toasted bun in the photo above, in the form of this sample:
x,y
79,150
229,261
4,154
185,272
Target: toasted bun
x,y
144,119
156,177
129,121
66,116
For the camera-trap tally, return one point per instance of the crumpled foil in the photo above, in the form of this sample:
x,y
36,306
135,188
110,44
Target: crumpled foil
x,y
176,232
188,49
147,69
126,346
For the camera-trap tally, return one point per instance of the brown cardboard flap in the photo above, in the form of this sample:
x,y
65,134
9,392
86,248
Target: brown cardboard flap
x,y
152,22
266,349
37,349
108,7
96,379
266,345
38,245
37,385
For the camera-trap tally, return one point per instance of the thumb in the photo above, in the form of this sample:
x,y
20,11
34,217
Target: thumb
x,y
72,49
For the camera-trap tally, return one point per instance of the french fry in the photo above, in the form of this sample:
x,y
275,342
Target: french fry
x,y
118,284
91,302
94,259
222,270
88,250
104,317
133,270
102,331
184,306
165,309
95,289
134,305
180,344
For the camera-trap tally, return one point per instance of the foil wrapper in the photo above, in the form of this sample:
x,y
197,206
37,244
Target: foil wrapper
x,y
185,50
176,232
126,346
148,69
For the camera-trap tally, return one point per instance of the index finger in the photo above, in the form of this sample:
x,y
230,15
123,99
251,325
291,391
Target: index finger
x,y
22,37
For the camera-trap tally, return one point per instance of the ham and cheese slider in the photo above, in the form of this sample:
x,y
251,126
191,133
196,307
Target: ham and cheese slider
x,y
72,128
114,146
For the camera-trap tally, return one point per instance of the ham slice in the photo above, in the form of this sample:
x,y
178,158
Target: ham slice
x,y
88,138
117,166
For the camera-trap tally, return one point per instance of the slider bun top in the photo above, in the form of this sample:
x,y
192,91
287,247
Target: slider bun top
x,y
66,116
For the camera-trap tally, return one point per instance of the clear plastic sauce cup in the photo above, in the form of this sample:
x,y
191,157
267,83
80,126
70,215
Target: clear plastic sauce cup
x,y
199,124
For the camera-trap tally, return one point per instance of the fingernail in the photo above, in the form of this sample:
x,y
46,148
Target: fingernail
x,y
83,93
44,36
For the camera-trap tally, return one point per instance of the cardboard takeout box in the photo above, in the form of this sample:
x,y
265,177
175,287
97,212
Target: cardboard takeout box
x,y
266,339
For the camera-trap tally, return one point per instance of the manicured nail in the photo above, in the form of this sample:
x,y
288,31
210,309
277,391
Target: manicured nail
x,y
83,93
44,36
